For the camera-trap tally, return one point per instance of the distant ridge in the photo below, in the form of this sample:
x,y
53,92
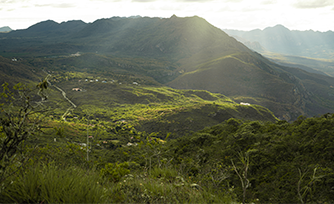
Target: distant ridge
x,y
49,28
280,39
5,29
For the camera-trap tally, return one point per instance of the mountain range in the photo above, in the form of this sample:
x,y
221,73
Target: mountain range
x,y
279,39
183,53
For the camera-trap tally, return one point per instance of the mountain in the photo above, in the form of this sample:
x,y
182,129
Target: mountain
x,y
184,53
174,37
5,29
280,39
48,29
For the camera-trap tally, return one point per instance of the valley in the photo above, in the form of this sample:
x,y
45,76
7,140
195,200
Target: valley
x,y
148,110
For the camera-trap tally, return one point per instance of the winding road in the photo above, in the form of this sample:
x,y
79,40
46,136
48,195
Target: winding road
x,y
64,95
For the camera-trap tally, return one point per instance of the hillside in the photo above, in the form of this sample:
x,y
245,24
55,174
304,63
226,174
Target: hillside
x,y
252,78
171,38
183,53
114,96
13,71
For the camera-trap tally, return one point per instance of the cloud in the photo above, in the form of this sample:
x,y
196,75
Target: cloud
x,y
195,0
268,2
178,1
8,1
63,5
251,9
233,1
143,0
309,4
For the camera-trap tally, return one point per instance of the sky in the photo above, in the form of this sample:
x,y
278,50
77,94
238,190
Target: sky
x,y
317,15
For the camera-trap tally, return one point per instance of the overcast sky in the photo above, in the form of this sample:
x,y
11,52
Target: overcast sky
x,y
317,15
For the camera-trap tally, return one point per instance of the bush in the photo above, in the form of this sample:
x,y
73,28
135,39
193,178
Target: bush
x,y
114,171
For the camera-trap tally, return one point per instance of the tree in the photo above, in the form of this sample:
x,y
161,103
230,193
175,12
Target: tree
x,y
242,172
307,189
20,117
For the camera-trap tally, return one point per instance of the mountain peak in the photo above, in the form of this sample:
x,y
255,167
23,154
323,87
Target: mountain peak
x,y
43,26
5,29
277,27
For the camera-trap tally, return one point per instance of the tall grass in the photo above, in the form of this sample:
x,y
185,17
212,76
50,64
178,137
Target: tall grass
x,y
51,184
164,185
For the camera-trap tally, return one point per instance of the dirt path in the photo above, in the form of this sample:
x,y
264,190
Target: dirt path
x,y
73,106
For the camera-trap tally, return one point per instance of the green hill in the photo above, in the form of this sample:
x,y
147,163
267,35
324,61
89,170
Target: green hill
x,y
113,94
288,92
184,53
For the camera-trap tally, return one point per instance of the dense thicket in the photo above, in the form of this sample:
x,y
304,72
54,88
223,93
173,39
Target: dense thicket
x,y
280,162
289,162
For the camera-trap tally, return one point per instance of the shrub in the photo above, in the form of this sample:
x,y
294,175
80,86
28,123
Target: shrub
x,y
114,171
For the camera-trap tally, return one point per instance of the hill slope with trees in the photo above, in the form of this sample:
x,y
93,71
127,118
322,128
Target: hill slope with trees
x,y
180,52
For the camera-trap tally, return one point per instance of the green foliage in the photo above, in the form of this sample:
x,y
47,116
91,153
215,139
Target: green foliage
x,y
278,156
52,184
114,171
134,161
20,119
164,185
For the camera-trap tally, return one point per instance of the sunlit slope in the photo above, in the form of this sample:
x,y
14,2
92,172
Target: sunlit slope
x,y
171,38
180,52
288,92
114,97
156,108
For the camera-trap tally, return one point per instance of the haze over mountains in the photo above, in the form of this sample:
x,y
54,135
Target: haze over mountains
x,y
280,39
5,29
184,53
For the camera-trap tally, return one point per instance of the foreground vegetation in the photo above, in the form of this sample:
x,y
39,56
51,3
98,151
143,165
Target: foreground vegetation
x,y
234,161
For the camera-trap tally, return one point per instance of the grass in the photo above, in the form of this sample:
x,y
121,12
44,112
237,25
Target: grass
x,y
53,184
165,186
